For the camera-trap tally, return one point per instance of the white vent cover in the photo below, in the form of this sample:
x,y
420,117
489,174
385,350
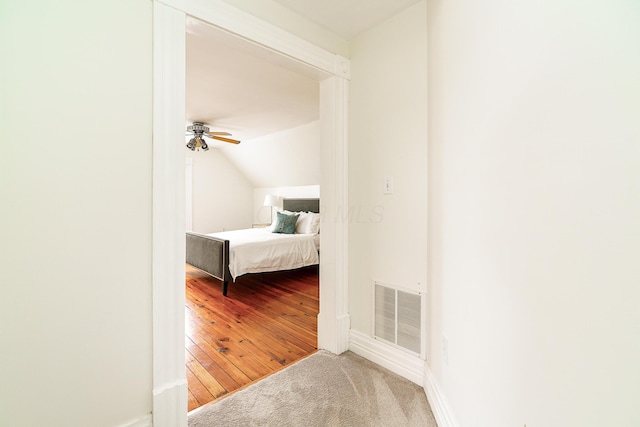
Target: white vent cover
x,y
398,317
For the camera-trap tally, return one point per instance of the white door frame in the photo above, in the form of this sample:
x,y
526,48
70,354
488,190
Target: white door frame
x,y
188,188
169,380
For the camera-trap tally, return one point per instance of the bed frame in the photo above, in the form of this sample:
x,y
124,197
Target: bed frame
x,y
211,254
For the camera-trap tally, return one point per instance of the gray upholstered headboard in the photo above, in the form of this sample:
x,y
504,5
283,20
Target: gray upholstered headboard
x,y
304,205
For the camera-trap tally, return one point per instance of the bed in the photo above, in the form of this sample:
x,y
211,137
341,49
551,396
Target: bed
x,y
230,254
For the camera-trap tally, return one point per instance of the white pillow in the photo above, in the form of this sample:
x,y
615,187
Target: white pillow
x,y
308,223
313,226
304,220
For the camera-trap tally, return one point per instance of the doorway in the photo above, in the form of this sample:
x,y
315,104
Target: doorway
x,y
332,72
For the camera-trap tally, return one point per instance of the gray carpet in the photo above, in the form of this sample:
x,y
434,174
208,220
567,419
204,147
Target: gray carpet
x,y
322,390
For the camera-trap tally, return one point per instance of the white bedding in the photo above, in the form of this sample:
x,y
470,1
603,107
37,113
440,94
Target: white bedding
x,y
258,250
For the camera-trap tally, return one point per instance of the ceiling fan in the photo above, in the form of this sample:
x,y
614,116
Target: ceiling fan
x,y
199,131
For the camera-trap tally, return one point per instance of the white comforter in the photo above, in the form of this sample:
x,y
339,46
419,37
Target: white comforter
x,y
258,250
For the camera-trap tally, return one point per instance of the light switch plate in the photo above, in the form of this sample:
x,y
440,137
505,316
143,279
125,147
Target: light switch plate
x,y
388,185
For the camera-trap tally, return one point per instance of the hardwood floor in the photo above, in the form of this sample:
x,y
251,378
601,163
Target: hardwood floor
x,y
266,322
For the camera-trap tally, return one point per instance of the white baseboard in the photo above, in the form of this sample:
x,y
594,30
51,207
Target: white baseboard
x,y
404,364
439,406
145,421
408,366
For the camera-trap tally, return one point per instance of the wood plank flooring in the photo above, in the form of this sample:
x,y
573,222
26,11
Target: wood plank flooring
x,y
266,322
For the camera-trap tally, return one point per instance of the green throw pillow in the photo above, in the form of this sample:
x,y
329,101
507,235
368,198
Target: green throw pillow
x,y
285,224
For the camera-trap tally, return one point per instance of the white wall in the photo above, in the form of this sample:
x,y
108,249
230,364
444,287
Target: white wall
x,y
534,146
75,203
261,212
222,196
287,158
387,137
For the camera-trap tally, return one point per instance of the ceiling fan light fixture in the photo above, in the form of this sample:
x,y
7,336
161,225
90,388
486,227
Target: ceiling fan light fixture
x,y
197,142
199,131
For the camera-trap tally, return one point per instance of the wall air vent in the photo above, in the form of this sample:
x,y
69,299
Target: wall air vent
x,y
399,317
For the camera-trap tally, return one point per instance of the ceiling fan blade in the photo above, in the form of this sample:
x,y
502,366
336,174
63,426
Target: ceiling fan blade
x,y
218,133
219,138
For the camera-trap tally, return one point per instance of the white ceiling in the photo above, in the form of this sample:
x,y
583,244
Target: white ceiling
x,y
237,87
347,18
